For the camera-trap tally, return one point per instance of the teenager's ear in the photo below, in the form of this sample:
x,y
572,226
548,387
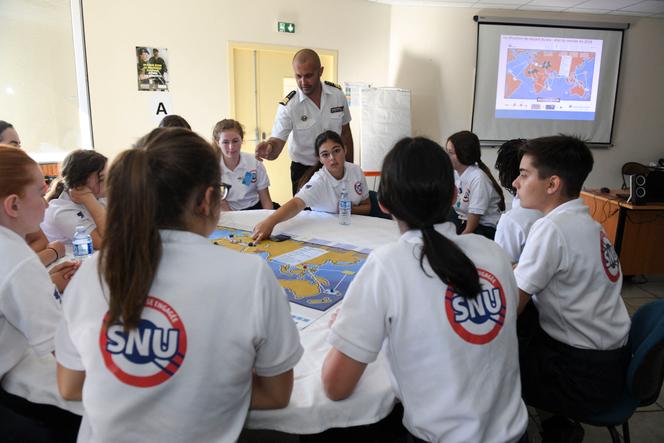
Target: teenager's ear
x,y
10,205
555,185
383,208
206,206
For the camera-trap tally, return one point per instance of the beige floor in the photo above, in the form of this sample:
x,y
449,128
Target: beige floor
x,y
647,424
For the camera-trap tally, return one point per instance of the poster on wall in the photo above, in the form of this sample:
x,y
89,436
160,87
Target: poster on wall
x,y
152,68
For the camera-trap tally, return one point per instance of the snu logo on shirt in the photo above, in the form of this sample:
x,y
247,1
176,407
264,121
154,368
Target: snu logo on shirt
x,y
358,188
150,354
480,319
609,257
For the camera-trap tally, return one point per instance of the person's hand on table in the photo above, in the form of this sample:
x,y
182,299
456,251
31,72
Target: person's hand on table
x,y
262,230
61,274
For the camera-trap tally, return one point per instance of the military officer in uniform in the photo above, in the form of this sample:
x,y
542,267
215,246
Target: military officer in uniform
x,y
303,114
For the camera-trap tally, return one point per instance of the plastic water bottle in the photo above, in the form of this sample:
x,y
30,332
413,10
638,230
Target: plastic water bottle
x,y
344,208
82,244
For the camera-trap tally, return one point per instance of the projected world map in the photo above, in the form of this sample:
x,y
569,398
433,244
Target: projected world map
x,y
556,75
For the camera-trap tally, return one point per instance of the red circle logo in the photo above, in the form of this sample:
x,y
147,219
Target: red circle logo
x,y
609,257
480,319
358,188
150,354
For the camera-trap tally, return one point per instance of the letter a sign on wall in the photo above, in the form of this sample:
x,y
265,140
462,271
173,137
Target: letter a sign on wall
x,y
161,105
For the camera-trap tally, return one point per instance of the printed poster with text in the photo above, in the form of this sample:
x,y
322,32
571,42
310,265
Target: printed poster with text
x,y
152,68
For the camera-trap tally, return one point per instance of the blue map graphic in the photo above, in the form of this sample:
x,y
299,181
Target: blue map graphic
x,y
317,283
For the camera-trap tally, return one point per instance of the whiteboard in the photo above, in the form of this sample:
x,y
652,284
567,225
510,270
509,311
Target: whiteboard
x,y
385,117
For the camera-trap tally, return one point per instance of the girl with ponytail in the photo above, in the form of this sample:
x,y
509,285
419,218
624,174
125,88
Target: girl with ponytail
x,y
169,337
480,198
447,305
30,312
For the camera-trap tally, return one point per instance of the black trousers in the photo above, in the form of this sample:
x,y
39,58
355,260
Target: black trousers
x,y
410,438
23,421
487,231
564,380
297,170
260,206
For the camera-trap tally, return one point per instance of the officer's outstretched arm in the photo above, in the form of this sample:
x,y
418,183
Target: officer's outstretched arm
x,y
269,149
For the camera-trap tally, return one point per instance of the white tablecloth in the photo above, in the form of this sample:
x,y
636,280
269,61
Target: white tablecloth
x,y
310,411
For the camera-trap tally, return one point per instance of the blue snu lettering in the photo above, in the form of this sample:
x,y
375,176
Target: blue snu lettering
x,y
143,344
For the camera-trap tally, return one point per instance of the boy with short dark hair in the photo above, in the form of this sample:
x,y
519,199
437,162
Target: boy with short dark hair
x,y
573,357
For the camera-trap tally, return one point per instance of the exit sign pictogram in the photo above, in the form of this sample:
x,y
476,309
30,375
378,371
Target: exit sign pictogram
x,y
286,27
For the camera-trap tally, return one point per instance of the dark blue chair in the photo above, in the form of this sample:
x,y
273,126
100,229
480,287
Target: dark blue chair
x,y
645,372
375,209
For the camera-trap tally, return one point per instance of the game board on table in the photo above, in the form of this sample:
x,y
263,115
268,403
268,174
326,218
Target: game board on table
x,y
314,275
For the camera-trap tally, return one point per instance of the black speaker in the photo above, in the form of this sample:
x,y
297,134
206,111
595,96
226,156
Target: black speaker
x,y
637,189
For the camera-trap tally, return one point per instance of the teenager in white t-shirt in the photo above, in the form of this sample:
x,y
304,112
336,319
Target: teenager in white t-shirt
x,y
182,349
514,225
29,301
76,197
573,353
442,306
246,176
47,252
321,187
480,199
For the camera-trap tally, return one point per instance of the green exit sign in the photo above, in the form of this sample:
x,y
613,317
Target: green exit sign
x,y
286,27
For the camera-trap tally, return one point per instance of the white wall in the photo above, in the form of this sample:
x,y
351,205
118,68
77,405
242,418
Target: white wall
x,y
197,34
432,52
429,50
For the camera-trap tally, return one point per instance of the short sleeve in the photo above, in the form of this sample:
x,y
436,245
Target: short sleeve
x,y
280,348
262,180
283,124
347,117
480,193
29,304
541,259
65,351
361,326
365,187
65,221
510,236
312,192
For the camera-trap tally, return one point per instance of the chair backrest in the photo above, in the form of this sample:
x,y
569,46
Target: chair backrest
x,y
646,340
375,209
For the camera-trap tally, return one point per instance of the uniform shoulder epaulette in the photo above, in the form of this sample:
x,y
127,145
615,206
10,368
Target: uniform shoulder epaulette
x,y
333,84
287,98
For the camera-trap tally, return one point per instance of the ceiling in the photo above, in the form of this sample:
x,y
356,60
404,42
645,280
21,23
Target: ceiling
x,y
642,8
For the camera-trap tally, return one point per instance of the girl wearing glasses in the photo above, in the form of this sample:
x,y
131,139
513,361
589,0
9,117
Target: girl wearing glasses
x,y
323,185
246,176
74,199
174,337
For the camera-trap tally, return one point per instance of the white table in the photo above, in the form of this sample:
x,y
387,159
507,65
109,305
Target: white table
x,y
310,411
